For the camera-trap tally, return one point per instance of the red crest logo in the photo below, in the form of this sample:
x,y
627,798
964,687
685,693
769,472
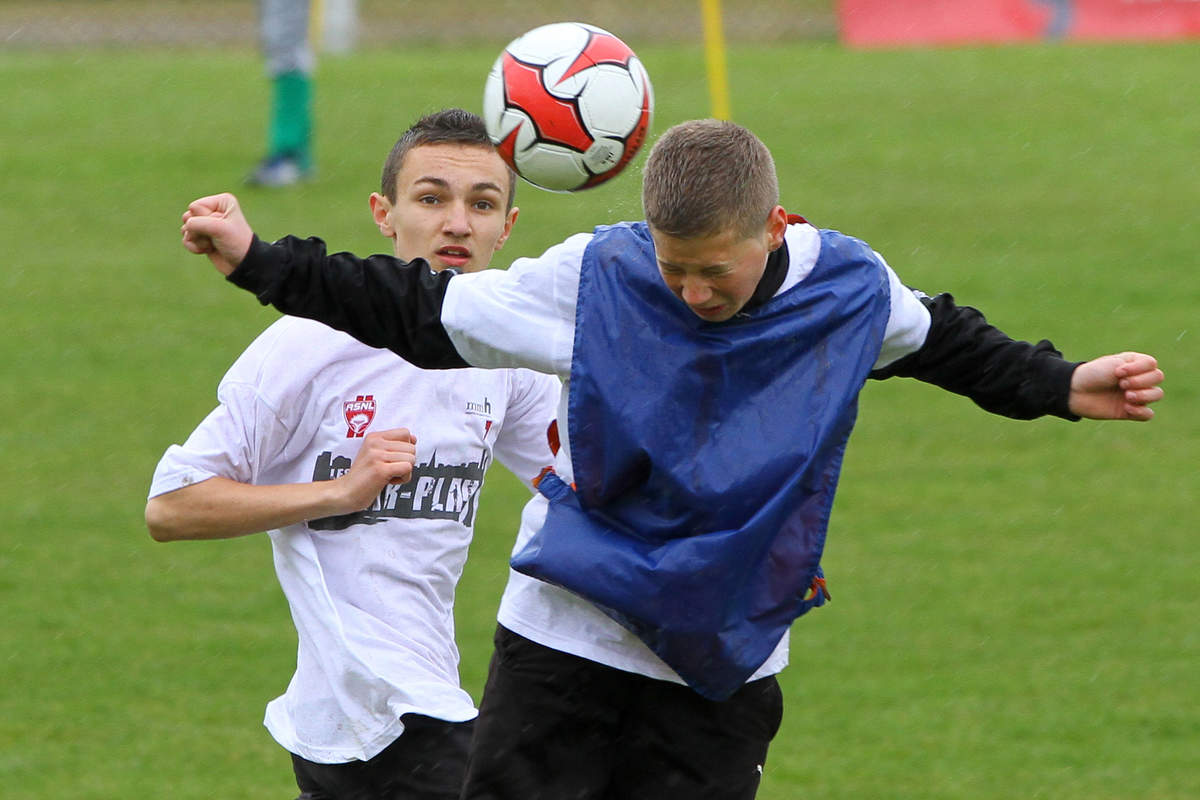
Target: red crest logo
x,y
358,413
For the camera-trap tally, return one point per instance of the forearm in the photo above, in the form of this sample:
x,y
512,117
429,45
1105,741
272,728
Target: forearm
x,y
964,354
219,508
380,300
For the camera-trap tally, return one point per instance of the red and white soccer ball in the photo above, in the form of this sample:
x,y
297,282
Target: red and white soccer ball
x,y
568,105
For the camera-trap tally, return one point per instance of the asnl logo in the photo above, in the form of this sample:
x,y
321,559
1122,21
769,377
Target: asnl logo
x,y
358,413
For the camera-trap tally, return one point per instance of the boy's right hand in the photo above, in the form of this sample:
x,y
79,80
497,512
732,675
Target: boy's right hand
x,y
385,457
214,226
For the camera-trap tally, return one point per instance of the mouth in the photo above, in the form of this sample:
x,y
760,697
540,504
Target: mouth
x,y
453,255
710,312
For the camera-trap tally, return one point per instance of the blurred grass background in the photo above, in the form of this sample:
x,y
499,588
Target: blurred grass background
x,y
1015,607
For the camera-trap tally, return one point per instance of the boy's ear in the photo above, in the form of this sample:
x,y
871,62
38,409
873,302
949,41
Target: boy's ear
x,y
509,221
381,207
776,227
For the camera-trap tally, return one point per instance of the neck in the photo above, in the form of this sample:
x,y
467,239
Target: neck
x,y
771,280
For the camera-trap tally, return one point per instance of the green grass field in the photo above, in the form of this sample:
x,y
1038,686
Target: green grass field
x,y
1016,607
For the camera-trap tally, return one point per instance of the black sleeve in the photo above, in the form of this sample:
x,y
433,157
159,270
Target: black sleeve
x,y
964,354
380,300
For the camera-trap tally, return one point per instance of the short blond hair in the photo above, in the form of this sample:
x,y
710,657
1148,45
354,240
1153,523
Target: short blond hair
x,y
706,177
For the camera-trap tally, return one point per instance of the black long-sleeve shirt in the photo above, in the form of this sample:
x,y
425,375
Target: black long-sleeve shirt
x,y
386,302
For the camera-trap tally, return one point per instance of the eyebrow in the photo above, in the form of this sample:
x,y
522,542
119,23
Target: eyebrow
x,y
673,265
482,186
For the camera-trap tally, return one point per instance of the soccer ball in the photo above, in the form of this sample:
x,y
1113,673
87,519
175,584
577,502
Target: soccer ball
x,y
568,105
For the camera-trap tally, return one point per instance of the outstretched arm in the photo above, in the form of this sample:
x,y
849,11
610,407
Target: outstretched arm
x,y
220,508
1119,386
966,355
380,300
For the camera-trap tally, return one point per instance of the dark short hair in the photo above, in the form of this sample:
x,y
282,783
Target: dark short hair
x,y
449,126
706,177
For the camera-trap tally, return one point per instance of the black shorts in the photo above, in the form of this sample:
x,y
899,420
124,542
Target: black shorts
x,y
553,725
427,762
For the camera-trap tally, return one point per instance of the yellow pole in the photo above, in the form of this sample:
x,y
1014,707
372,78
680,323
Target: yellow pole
x,y
714,50
316,25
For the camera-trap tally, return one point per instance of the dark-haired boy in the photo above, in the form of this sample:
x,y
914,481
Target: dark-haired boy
x,y
370,524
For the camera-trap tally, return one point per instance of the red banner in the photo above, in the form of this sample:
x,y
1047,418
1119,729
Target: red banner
x,y
890,23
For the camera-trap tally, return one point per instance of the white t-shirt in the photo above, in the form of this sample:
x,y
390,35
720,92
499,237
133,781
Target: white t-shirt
x,y
525,317
371,594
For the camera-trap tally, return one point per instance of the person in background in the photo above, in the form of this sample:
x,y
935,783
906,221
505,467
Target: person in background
x,y
290,63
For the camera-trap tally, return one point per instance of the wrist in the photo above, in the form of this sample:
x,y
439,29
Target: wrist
x,y
334,498
252,270
1062,374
